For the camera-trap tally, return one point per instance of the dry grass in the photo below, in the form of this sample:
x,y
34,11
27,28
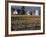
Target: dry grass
x,y
25,20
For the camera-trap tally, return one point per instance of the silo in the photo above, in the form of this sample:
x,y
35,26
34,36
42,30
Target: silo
x,y
36,12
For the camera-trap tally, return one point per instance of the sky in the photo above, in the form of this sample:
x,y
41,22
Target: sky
x,y
27,8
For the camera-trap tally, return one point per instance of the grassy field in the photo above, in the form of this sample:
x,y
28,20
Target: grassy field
x,y
25,22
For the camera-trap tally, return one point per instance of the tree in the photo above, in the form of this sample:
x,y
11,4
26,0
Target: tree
x,y
31,12
23,10
12,10
18,10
